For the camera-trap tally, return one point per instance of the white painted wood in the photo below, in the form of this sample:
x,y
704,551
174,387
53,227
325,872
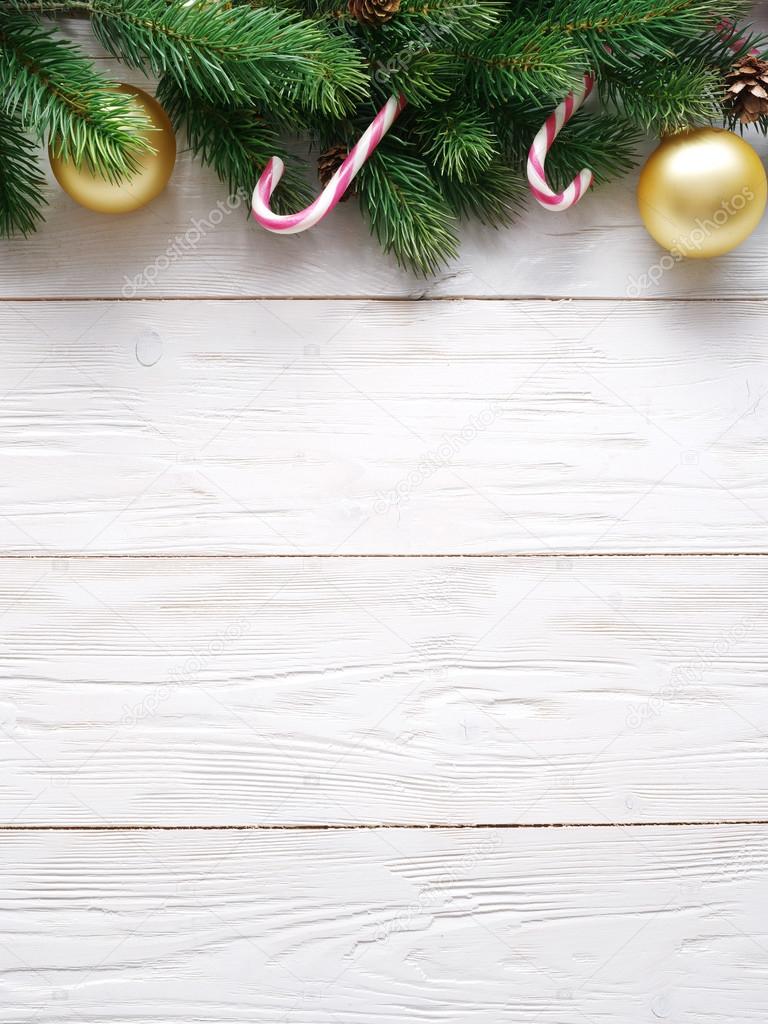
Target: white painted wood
x,y
599,249
330,427
178,691
290,691
621,926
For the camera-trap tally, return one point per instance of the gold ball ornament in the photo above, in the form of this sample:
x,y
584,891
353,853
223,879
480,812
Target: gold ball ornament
x,y
702,192
154,169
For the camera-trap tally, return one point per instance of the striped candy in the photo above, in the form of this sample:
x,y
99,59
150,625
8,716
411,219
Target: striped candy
x,y
292,223
537,179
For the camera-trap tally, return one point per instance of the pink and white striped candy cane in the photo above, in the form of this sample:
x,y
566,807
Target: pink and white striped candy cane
x,y
292,223
537,179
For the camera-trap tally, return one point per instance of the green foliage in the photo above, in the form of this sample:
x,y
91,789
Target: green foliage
x,y
237,143
494,199
686,94
50,88
233,54
21,182
480,77
458,140
407,213
523,59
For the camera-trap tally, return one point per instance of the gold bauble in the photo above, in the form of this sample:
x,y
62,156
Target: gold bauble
x,y
702,192
154,169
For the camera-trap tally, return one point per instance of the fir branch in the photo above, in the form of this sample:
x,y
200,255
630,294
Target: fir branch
x,y
405,209
236,143
21,180
521,59
423,78
415,19
616,29
228,54
458,138
430,21
664,97
495,198
50,87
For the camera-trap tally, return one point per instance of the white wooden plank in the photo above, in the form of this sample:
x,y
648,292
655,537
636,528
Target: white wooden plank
x,y
608,926
322,427
598,249
283,691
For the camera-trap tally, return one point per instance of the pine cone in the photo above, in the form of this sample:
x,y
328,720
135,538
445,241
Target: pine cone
x,y
747,92
373,12
328,163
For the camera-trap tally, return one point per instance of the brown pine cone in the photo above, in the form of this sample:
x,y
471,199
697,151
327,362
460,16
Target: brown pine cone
x,y
373,12
746,94
328,163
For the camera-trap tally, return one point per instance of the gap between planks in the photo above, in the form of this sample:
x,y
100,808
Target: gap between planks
x,y
397,826
404,297
85,556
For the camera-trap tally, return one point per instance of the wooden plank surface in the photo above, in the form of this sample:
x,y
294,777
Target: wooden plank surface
x,y
608,926
383,427
189,692
349,691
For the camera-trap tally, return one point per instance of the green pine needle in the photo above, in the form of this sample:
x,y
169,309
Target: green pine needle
x,y
236,143
458,140
21,181
495,199
405,209
50,88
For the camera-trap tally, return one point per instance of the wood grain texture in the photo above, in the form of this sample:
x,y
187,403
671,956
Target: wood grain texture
x,y
383,427
204,691
179,245
282,691
606,926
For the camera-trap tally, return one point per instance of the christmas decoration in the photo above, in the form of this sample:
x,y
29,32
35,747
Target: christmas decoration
x,y
702,192
747,92
478,78
329,162
546,135
373,12
148,179
291,224
696,193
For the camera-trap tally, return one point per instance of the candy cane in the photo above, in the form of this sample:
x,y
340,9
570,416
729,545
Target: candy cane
x,y
292,223
727,31
537,179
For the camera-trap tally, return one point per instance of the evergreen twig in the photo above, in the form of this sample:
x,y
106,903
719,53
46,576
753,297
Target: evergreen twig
x,y
21,181
50,87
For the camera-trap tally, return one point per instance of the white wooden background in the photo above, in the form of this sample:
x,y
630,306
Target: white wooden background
x,y
377,649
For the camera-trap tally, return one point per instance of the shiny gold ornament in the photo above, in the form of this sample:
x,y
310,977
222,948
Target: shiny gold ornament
x,y
702,192
154,169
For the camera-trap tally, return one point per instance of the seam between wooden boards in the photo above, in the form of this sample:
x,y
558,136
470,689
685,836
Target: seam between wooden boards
x,y
392,826
404,297
63,556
